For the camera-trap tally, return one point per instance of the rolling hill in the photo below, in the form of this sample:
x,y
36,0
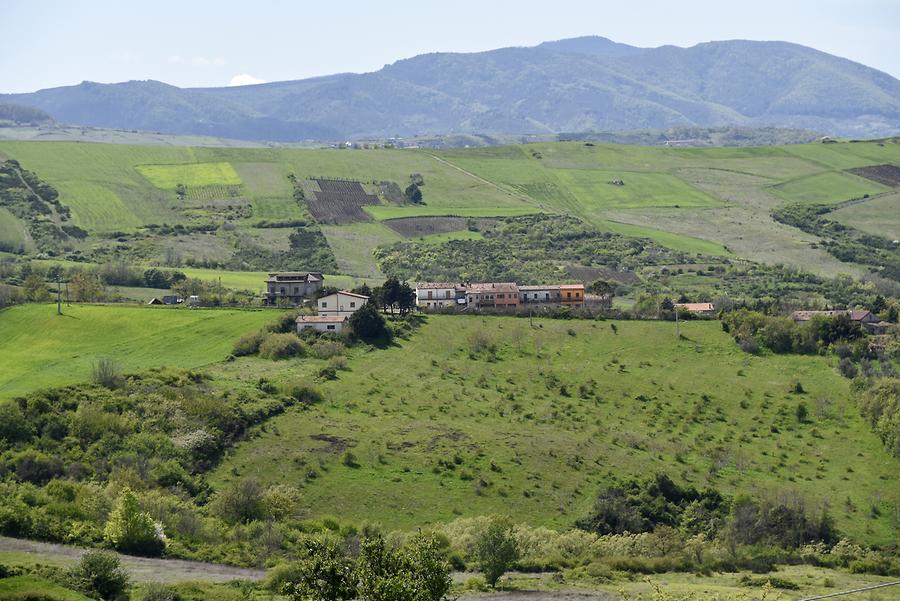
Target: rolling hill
x,y
576,85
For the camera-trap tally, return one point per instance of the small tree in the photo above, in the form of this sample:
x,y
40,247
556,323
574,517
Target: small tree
x,y
107,373
240,502
131,530
325,574
180,191
367,323
86,287
413,194
99,574
496,549
36,288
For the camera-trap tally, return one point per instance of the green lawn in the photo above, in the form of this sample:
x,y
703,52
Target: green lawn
x,y
641,190
166,177
827,188
39,349
565,406
670,240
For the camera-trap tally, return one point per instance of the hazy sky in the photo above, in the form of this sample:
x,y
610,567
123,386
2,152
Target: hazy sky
x,y
46,43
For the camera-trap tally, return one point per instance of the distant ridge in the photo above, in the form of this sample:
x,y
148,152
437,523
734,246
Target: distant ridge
x,y
576,85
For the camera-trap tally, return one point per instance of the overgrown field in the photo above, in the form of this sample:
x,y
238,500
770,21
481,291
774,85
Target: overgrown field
x,y
39,349
474,415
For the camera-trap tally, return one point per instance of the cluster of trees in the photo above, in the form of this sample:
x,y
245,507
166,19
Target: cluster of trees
x,y
523,249
753,330
413,192
647,505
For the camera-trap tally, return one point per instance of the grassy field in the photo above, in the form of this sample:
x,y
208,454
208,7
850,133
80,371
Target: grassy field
x,y
12,231
696,199
33,587
40,349
827,188
565,407
167,177
879,216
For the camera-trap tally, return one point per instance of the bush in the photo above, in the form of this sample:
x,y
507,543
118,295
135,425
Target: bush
x,y
248,345
159,592
131,530
368,324
280,346
880,566
107,373
496,549
239,502
847,368
99,574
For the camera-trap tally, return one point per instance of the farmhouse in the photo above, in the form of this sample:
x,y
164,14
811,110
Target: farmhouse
x,y
292,286
859,315
439,295
321,323
543,294
340,304
571,295
698,308
502,295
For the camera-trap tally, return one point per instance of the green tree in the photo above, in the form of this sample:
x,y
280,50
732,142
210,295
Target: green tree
x,y
496,549
413,194
325,574
86,287
240,502
368,324
131,530
99,574
36,288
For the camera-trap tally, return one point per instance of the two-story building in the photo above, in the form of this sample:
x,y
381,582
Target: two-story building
x,y
492,295
322,323
543,294
435,295
341,304
571,295
292,287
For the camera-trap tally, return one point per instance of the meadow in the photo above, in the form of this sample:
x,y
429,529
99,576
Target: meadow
x,y
40,349
474,415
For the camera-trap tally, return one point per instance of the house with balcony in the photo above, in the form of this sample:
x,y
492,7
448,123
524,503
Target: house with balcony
x,y
292,287
431,296
492,295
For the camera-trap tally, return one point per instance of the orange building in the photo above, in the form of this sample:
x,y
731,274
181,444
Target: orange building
x,y
504,295
571,295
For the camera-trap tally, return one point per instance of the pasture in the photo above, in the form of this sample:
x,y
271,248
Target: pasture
x,y
40,349
166,177
13,234
879,216
474,415
829,187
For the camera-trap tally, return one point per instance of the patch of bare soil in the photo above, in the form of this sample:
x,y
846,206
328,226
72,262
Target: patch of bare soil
x,y
888,175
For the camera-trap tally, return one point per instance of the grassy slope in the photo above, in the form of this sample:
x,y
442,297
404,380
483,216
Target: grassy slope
x,y
40,349
12,231
403,409
691,199
879,216
33,587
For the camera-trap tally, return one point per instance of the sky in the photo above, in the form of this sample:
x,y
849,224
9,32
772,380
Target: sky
x,y
199,43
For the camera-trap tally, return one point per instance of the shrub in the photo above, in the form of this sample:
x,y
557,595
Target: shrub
x,y
847,368
99,574
131,530
155,591
248,345
280,346
239,502
286,323
496,549
107,373
749,345
368,324
325,573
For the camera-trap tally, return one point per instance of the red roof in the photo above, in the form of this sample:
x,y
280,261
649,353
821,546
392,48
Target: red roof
x,y
493,287
696,306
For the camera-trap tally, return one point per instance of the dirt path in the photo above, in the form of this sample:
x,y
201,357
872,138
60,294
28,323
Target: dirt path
x,y
141,569
521,197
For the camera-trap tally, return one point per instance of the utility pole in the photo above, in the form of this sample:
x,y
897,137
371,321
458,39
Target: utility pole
x,y
58,296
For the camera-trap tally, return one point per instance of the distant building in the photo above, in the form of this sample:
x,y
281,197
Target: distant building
x,y
493,295
321,323
571,295
292,287
862,316
539,294
155,301
698,308
172,299
341,304
431,296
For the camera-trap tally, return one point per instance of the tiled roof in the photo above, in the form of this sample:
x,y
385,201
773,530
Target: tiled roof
x,y
531,288
571,286
492,287
437,285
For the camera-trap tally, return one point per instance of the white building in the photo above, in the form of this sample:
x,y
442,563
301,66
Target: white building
x,y
438,295
341,304
322,323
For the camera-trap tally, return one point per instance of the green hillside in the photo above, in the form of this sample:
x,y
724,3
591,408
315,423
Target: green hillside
x,y
238,208
441,429
40,349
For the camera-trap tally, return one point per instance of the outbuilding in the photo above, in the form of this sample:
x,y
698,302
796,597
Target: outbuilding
x,y
322,323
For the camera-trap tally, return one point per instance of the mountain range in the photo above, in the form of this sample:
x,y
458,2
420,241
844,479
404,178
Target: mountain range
x,y
575,85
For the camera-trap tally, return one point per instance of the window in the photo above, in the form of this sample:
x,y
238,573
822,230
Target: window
x,y
446,294
568,295
282,290
429,294
499,296
324,305
352,304
296,290
330,326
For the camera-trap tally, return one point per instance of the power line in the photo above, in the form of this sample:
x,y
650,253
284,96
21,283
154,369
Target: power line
x,y
856,590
